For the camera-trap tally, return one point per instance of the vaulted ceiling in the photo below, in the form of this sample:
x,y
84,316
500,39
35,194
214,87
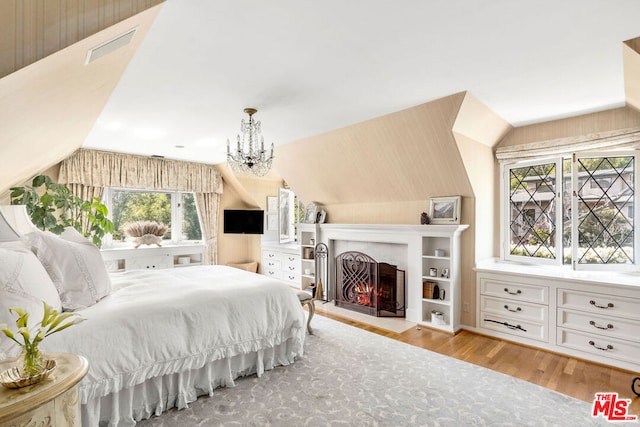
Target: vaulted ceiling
x,y
308,67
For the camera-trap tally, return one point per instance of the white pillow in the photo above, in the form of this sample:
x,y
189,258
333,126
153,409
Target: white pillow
x,y
75,266
24,283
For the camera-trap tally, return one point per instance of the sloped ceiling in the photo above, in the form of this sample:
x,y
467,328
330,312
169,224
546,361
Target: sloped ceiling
x,y
404,156
631,60
49,107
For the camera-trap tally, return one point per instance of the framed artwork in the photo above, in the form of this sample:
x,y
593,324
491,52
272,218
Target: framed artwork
x,y
311,214
322,216
445,210
272,204
285,215
272,220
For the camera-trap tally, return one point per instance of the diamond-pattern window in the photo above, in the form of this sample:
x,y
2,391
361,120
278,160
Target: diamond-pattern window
x,y
532,211
605,224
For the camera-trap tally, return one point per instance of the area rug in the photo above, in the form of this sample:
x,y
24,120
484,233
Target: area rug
x,y
351,377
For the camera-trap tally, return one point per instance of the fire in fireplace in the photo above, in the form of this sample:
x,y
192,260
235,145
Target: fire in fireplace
x,y
367,286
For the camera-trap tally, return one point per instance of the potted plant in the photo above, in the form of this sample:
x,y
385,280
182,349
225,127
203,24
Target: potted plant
x,y
54,207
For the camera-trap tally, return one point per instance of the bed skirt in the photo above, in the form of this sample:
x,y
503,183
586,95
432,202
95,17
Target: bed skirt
x,y
156,395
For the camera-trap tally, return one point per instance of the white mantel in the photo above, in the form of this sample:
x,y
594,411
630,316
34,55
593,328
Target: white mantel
x,y
410,245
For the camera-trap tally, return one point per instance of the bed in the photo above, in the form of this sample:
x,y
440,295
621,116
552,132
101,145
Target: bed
x,y
155,339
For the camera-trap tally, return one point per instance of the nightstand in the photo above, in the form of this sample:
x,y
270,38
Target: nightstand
x,y
54,401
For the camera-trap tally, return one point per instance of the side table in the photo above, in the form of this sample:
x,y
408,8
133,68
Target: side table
x,y
54,401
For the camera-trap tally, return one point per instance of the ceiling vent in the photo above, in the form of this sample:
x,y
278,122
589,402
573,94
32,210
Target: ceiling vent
x,y
110,46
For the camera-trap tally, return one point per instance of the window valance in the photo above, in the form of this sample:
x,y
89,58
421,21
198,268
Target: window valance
x,y
107,169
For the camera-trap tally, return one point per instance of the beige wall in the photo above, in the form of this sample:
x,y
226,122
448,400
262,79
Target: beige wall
x,y
243,193
33,29
49,107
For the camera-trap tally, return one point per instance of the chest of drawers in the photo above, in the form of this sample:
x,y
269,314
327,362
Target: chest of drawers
x,y
511,307
599,324
282,262
581,315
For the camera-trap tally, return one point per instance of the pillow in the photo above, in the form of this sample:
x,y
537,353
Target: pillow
x,y
75,266
248,266
24,283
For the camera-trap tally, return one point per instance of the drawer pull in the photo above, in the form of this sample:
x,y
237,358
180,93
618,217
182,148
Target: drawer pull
x,y
291,268
518,292
292,277
508,325
272,255
518,309
291,259
609,346
593,323
593,303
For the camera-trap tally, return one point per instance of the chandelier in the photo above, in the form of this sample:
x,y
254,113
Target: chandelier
x,y
249,157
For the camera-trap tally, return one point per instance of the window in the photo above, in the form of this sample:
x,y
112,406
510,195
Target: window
x,y
175,209
577,210
532,211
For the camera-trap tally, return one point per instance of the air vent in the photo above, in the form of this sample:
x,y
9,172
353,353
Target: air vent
x,y
110,46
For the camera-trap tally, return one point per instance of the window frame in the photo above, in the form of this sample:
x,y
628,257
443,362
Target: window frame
x,y
505,234
575,212
505,206
176,214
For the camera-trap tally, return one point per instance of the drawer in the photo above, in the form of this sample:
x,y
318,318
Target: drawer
x,y
273,255
275,273
149,262
271,264
291,277
607,305
514,291
517,327
598,324
600,346
514,309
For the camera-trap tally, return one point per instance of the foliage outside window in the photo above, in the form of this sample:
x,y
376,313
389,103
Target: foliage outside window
x,y
177,210
577,211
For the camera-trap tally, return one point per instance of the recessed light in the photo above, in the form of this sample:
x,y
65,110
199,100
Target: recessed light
x,y
179,146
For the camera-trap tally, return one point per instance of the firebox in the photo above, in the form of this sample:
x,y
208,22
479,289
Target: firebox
x,y
368,286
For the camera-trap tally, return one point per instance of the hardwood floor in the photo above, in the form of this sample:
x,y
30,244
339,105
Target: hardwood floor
x,y
574,377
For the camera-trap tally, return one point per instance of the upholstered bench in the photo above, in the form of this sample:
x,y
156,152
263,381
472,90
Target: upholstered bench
x,y
307,299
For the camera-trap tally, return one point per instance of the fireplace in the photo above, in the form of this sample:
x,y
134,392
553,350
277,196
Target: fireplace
x,y
367,286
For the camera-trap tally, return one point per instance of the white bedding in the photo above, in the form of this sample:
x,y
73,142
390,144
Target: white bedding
x,y
161,322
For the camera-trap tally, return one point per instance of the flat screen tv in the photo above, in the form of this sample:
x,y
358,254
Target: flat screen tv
x,y
238,221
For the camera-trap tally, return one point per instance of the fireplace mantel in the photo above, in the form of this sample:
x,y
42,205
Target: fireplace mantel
x,y
417,248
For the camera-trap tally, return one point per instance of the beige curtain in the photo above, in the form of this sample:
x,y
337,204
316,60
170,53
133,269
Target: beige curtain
x,y
87,172
106,169
85,192
209,210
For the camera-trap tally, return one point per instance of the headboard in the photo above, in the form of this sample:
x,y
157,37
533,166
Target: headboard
x,y
14,221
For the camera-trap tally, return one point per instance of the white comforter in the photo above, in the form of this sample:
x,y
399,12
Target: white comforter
x,y
158,322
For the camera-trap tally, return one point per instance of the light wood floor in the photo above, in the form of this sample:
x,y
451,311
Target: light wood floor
x,y
566,375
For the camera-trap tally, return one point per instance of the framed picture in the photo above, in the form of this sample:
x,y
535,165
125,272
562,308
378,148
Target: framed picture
x,y
445,210
311,213
272,221
322,216
272,204
285,215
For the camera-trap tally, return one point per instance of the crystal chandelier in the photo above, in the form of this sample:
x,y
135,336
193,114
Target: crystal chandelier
x,y
250,157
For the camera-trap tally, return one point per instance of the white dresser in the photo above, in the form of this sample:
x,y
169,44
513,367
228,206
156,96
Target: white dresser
x,y
593,316
282,262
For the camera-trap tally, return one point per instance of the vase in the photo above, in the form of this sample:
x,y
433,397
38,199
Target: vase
x,y
31,361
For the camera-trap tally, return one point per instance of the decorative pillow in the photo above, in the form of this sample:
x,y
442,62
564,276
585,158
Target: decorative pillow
x,y
75,266
24,283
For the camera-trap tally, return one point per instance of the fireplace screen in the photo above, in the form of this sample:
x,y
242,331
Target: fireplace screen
x,y
369,287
